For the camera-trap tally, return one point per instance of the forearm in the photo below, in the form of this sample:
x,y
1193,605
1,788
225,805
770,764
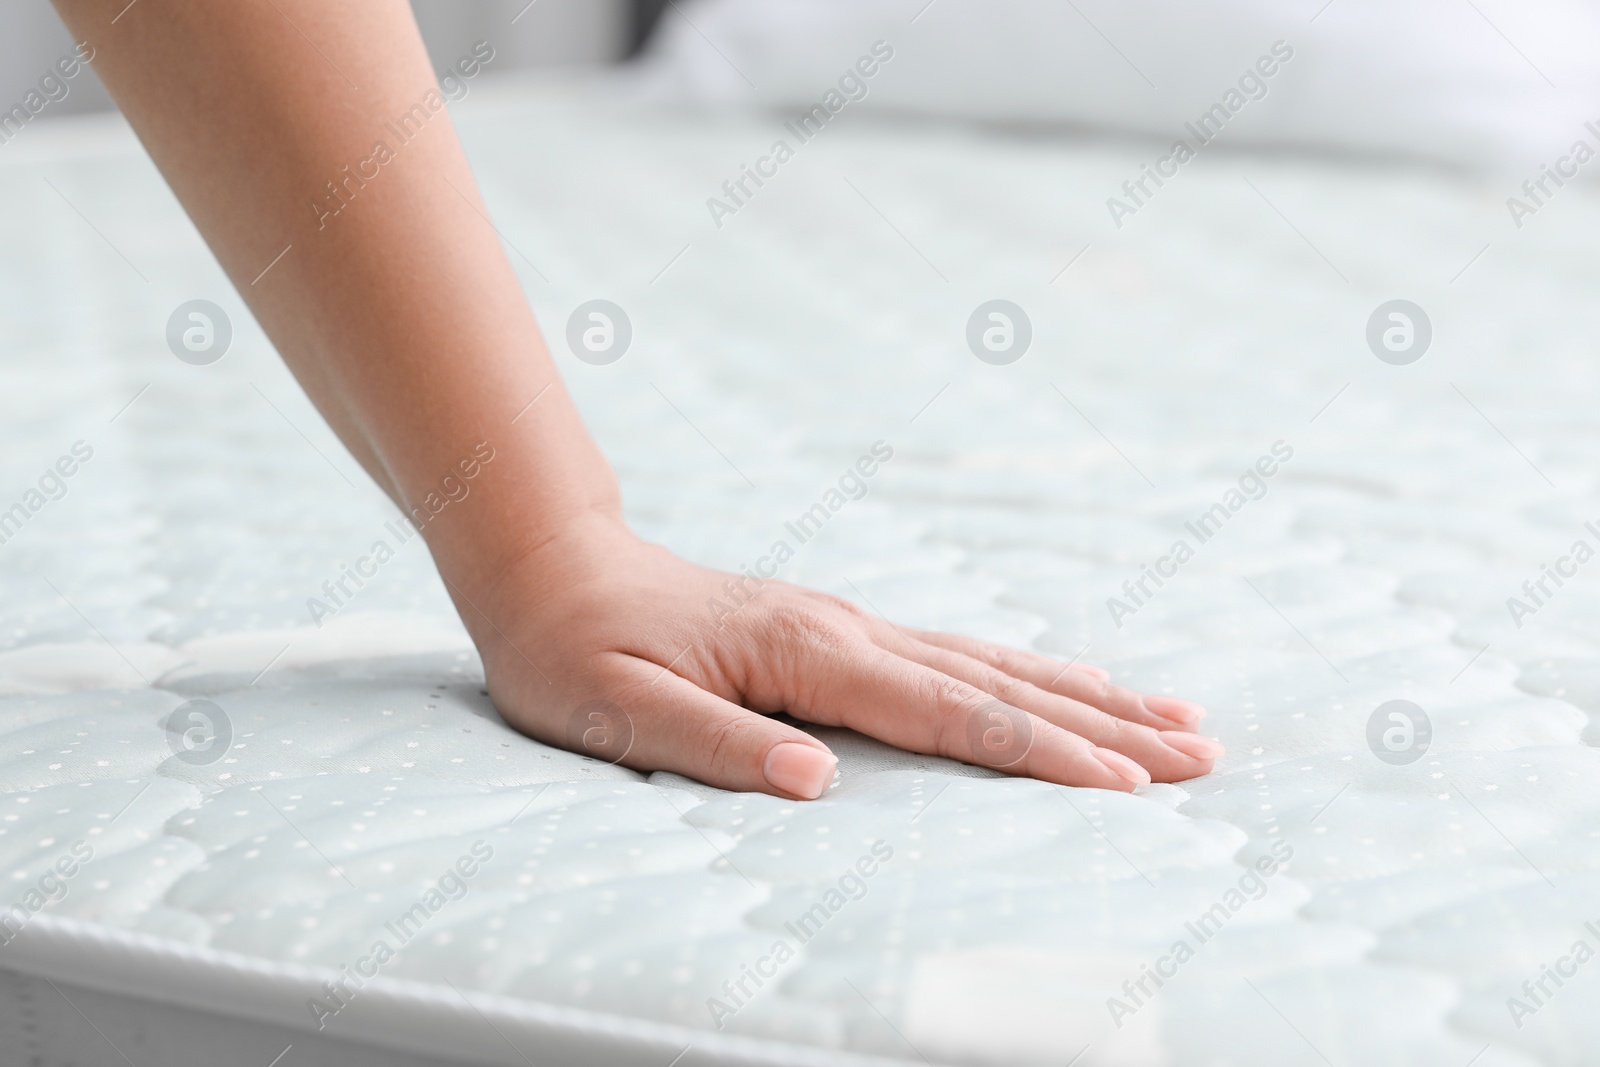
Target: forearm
x,y
399,314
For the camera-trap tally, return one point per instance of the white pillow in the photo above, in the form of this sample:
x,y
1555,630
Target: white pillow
x,y
1435,79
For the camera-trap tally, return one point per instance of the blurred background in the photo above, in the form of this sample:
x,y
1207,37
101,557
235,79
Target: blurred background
x,y
1492,85
546,34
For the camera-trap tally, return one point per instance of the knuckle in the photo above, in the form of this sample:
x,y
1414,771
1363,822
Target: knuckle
x,y
953,697
840,604
1089,688
956,706
724,739
1122,732
1123,697
1009,689
1008,659
999,735
1124,704
803,625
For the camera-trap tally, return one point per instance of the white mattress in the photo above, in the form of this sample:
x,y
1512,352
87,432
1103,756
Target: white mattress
x,y
828,314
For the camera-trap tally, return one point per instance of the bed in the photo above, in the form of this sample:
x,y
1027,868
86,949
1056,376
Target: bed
x,y
250,796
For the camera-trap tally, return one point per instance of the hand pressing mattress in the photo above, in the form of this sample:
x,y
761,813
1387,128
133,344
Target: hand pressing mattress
x,y
316,831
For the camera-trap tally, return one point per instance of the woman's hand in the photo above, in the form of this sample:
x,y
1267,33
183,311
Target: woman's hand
x,y
403,320
605,644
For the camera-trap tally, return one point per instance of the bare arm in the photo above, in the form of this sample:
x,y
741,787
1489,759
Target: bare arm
x,y
403,320
401,311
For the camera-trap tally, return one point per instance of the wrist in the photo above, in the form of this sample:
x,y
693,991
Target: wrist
x,y
502,498
502,574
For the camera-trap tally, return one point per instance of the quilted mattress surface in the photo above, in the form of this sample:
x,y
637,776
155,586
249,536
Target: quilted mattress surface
x,y
212,790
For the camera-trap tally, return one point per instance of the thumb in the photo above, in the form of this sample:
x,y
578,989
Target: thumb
x,y
674,725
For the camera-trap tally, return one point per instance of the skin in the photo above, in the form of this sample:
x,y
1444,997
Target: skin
x,y
403,321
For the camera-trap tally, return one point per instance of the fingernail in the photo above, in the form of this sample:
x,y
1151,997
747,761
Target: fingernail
x,y
799,770
1122,766
1186,712
1192,744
